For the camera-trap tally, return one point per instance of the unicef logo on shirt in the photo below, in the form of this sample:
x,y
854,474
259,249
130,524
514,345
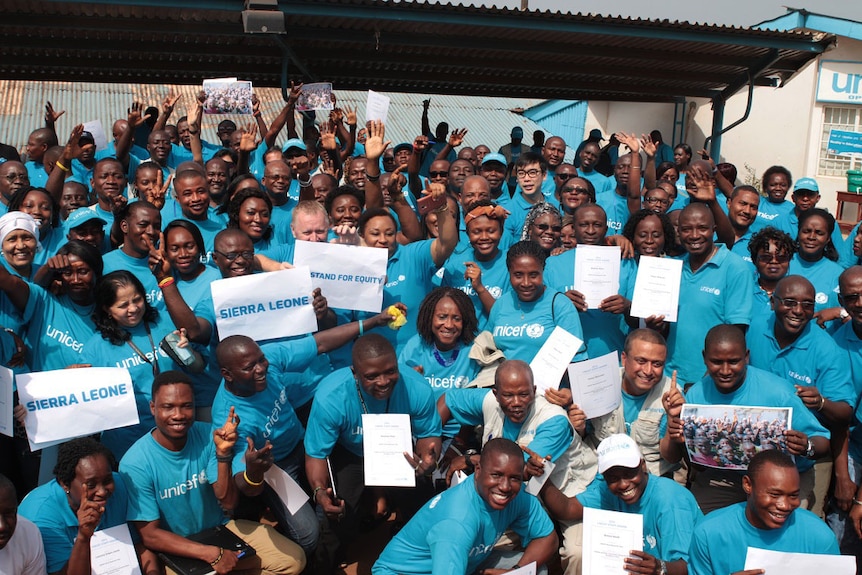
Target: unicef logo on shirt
x,y
402,277
821,297
495,292
535,330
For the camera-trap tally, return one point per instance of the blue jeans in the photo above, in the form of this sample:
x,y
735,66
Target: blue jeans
x,y
848,541
303,526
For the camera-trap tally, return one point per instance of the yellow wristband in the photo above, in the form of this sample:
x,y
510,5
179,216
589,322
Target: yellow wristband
x,y
250,482
62,167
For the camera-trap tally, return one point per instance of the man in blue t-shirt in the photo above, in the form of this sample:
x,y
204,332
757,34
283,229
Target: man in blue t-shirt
x,y
455,532
768,519
179,478
669,510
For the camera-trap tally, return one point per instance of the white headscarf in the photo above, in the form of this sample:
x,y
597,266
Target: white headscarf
x,y
12,221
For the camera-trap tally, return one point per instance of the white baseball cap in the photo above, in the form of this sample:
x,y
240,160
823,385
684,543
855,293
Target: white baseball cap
x,y
618,450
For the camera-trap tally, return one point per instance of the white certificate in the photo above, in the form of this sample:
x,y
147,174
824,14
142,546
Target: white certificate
x,y
265,306
6,400
596,384
112,552
350,277
657,288
385,439
534,486
550,362
377,107
779,563
609,538
597,273
288,490
67,403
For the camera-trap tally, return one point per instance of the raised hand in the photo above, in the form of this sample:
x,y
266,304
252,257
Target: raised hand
x,y
648,145
327,137
374,144
170,101
89,514
257,461
225,436
351,115
135,115
51,116
629,140
294,93
456,138
248,141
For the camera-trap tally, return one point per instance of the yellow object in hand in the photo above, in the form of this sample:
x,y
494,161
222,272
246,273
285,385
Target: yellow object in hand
x,y
400,318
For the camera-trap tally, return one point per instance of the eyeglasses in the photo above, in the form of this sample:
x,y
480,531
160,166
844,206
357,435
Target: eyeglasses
x,y
565,176
279,178
658,201
438,174
12,177
231,256
769,258
528,173
792,303
850,298
578,191
546,227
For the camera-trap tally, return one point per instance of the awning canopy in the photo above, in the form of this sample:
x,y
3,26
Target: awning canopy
x,y
397,46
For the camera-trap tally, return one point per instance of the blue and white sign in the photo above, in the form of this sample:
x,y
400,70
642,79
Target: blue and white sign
x,y
844,143
351,277
840,82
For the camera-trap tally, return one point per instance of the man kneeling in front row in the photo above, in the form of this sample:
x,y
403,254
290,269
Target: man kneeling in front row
x,y
455,532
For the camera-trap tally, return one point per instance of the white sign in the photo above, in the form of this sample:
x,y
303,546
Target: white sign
x,y
385,439
99,136
377,107
840,82
68,403
597,384
657,288
550,362
288,490
350,277
779,563
265,306
7,420
112,552
609,538
597,273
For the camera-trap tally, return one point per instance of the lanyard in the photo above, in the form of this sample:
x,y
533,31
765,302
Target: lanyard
x,y
142,355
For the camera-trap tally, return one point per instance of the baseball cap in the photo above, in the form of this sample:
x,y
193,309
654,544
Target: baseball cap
x,y
618,450
596,134
86,137
403,146
807,184
517,132
81,216
294,143
495,157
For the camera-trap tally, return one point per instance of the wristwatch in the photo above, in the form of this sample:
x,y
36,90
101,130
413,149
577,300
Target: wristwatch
x,y
809,453
662,567
469,462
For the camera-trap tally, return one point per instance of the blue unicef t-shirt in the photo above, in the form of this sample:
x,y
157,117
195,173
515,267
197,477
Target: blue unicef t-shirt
x,y
520,328
762,389
813,359
456,531
495,278
769,214
140,268
604,332
48,507
208,227
265,416
336,414
174,487
720,542
552,436
460,370
669,511
57,330
823,274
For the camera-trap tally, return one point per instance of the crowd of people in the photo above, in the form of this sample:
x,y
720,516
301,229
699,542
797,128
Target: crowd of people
x,y
108,257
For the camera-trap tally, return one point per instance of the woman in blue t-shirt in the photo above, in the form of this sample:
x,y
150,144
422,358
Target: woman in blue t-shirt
x,y
44,208
816,259
440,351
250,210
523,318
129,332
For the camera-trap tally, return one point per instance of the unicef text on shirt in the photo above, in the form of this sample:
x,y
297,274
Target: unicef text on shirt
x,y
533,330
453,381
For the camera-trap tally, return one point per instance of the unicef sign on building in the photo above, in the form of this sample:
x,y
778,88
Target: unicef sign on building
x,y
840,81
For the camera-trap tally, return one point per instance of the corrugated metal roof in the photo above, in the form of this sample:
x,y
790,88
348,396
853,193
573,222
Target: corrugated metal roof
x,y
398,47
489,120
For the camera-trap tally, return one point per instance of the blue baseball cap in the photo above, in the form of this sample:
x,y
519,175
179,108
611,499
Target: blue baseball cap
x,y
807,185
81,216
402,146
495,157
294,143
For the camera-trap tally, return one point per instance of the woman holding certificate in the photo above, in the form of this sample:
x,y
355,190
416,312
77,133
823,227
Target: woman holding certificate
x,y
85,497
523,318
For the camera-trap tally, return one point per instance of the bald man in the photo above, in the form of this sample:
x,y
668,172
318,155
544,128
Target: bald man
x,y
716,288
790,345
